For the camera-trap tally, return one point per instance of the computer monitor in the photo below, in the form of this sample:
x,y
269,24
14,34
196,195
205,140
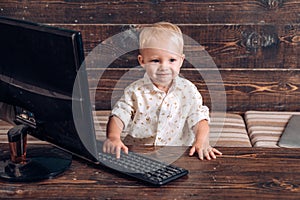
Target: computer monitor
x,y
38,68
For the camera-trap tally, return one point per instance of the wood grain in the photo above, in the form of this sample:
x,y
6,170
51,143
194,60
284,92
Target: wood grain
x,y
254,44
240,173
245,89
123,12
232,46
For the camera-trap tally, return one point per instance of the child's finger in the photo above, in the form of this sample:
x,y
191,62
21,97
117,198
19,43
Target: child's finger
x,y
118,152
200,154
207,154
217,151
125,149
104,148
192,151
212,154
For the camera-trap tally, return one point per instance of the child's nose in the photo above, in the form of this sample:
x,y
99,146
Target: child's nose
x,y
164,65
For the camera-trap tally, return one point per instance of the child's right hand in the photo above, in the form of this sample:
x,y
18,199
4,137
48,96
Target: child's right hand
x,y
114,146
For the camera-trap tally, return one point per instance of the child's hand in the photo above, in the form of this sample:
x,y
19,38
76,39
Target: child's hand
x,y
204,151
114,146
201,145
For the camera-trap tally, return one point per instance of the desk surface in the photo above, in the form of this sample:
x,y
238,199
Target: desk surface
x,y
242,173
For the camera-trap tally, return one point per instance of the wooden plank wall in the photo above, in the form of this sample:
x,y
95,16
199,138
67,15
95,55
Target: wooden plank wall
x,y
255,44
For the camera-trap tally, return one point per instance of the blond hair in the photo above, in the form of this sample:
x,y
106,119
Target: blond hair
x,y
159,32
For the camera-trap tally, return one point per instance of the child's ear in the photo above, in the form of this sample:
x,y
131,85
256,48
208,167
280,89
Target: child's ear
x,y
183,56
141,60
182,59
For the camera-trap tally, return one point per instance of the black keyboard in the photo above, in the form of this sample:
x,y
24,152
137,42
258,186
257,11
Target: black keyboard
x,y
143,168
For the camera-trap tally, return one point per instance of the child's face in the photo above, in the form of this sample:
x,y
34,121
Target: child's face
x,y
161,65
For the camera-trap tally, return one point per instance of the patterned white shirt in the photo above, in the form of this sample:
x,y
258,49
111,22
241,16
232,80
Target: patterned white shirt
x,y
166,118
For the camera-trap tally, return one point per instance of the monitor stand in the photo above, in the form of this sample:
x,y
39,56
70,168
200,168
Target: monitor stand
x,y
36,164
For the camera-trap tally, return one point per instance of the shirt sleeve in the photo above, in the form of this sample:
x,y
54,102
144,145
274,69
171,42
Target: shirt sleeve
x,y
123,108
198,111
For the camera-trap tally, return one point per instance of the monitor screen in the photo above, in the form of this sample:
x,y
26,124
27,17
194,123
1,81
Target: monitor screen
x,y
38,68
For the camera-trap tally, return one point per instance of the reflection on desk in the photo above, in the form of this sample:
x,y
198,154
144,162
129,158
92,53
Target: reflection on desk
x,y
241,173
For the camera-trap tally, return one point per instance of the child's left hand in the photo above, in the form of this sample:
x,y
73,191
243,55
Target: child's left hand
x,y
201,145
207,152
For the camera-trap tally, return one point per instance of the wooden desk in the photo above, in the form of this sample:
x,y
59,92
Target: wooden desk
x,y
241,173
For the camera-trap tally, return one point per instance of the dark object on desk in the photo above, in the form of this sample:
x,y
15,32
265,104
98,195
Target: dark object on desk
x,y
36,166
290,137
38,68
143,168
20,168
41,72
